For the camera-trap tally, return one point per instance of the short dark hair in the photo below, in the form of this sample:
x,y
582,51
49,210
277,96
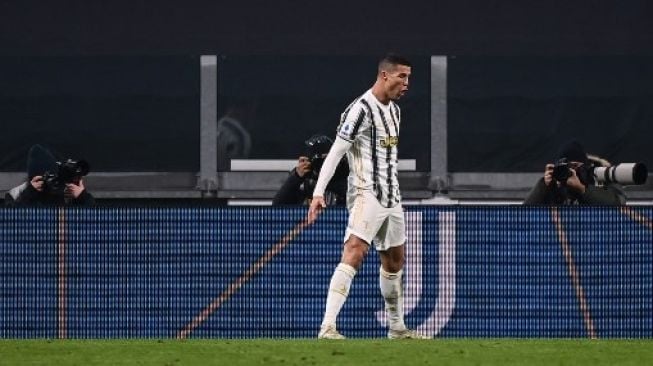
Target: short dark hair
x,y
393,59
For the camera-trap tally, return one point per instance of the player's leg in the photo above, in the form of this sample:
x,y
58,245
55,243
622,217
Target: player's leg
x,y
390,283
354,251
390,244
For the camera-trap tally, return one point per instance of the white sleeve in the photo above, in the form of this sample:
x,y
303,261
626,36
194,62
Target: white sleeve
x,y
337,151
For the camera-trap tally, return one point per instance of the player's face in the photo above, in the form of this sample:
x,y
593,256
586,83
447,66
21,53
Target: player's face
x,y
397,81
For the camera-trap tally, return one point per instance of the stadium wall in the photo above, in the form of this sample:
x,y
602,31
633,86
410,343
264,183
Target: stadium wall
x,y
248,272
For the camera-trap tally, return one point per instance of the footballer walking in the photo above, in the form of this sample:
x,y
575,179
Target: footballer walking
x,y
369,134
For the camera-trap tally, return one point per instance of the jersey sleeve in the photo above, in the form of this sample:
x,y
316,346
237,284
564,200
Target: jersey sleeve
x,y
337,151
353,122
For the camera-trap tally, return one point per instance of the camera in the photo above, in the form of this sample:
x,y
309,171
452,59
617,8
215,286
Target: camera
x,y
317,147
342,170
69,171
561,170
624,173
316,164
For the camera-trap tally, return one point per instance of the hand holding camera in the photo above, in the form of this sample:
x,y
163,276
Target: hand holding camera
x,y
68,173
303,166
37,183
574,182
74,190
548,174
564,173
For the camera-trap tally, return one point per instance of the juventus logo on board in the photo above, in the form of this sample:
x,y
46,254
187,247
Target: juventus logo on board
x,y
446,302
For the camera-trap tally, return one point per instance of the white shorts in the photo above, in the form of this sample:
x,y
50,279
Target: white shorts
x,y
370,221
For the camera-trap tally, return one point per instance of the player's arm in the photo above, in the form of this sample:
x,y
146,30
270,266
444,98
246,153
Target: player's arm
x,y
337,151
354,123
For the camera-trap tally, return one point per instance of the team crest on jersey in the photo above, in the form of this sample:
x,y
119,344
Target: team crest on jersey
x,y
389,141
345,128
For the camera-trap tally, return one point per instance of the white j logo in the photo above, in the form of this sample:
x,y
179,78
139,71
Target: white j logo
x,y
413,272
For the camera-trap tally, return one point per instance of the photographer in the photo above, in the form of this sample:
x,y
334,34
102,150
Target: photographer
x,y
571,181
298,188
50,182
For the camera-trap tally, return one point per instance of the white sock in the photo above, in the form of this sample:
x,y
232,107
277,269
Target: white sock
x,y
338,291
392,292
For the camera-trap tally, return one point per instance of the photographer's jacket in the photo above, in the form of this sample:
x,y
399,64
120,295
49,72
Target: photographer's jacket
x,y
607,195
26,195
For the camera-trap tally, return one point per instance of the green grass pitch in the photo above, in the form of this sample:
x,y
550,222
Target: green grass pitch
x,y
359,352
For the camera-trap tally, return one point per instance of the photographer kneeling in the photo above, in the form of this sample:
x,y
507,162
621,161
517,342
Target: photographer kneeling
x,y
298,188
572,180
51,182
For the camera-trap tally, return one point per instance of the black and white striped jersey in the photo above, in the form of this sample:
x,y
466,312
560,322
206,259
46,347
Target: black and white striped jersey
x,y
373,130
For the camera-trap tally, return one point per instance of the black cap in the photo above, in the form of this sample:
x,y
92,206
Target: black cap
x,y
39,161
572,151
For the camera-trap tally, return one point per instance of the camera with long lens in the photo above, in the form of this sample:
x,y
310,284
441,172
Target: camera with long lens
x,y
69,171
624,173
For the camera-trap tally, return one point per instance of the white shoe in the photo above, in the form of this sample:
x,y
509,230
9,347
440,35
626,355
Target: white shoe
x,y
405,334
329,332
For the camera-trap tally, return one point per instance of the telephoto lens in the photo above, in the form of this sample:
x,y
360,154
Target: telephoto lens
x,y
624,173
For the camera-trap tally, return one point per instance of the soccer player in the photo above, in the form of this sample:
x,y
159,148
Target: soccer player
x,y
369,134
